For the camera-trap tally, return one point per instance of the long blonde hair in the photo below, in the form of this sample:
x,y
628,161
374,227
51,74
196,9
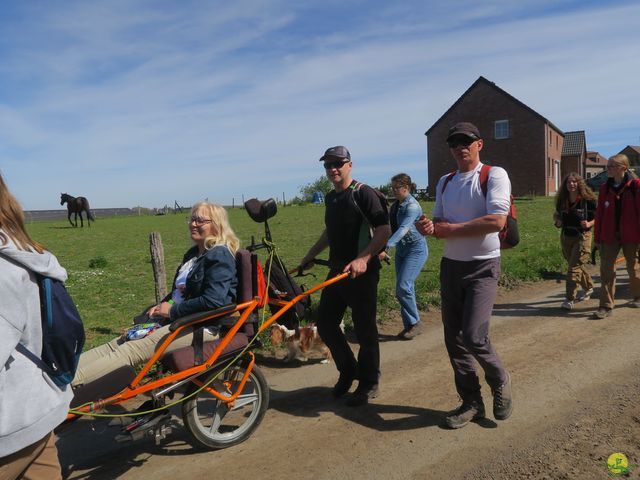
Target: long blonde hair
x,y
220,220
12,222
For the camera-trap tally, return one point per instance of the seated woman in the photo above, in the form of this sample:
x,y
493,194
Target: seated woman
x,y
205,280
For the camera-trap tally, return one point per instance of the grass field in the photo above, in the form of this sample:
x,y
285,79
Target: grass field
x,y
111,279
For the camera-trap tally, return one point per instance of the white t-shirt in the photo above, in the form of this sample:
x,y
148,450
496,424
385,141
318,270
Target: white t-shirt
x,y
181,280
463,201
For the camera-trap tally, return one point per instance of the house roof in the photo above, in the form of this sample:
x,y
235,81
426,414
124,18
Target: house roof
x,y
633,147
574,143
481,79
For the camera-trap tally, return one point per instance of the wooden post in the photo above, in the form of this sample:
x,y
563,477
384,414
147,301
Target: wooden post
x,y
157,260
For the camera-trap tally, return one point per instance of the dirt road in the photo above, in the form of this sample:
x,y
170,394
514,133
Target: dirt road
x,y
576,384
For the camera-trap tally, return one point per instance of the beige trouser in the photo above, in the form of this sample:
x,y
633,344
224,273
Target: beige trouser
x,y
608,255
38,461
576,251
106,358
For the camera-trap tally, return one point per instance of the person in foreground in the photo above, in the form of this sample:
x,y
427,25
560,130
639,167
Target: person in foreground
x,y
469,223
31,405
205,280
351,208
618,227
574,214
411,252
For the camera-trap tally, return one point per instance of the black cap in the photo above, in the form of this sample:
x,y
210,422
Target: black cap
x,y
464,128
336,152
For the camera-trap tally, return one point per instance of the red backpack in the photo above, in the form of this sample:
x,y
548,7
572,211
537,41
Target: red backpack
x,y
509,235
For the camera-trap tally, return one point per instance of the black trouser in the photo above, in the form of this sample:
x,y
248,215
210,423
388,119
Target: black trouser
x,y
360,294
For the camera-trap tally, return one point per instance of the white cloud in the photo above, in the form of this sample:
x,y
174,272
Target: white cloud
x,y
161,103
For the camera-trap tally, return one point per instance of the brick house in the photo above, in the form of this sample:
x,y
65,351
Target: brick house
x,y
516,138
574,153
596,163
633,152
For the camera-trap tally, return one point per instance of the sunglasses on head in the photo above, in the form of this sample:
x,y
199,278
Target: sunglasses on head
x,y
460,141
337,164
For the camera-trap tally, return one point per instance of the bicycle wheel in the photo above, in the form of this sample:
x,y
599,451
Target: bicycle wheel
x,y
215,424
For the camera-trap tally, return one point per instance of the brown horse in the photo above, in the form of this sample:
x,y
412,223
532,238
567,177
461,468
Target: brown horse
x,y
76,205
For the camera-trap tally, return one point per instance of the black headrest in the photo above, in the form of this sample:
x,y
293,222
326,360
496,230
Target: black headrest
x,y
261,211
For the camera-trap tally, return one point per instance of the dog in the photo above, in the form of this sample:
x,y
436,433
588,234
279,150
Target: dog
x,y
300,343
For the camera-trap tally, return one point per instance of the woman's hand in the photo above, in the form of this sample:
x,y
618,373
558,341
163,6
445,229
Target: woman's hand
x,y
382,256
162,310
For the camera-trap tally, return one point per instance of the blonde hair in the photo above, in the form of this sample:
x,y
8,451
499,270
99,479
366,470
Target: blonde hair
x,y
623,161
12,222
220,220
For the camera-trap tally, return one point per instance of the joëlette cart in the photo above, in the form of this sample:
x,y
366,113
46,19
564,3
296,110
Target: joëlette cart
x,y
222,392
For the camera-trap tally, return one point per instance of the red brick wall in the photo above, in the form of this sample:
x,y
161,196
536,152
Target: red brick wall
x,y
523,155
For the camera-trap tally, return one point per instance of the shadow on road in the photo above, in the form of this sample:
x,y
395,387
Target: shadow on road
x,y
311,402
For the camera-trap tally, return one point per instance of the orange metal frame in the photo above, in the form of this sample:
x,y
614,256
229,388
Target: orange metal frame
x,y
136,387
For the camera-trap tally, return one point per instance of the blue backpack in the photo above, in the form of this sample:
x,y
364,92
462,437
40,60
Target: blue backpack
x,y
62,331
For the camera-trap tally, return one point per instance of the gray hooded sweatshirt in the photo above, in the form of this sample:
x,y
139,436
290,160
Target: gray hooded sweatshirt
x,y
31,405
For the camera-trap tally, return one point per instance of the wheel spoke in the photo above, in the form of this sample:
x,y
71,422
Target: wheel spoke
x,y
218,414
244,400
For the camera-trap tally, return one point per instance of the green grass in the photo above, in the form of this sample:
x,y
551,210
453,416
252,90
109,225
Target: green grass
x,y
111,279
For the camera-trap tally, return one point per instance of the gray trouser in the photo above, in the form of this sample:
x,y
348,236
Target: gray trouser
x,y
468,291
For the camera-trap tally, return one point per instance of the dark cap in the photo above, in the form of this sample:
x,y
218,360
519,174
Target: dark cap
x,y
336,152
464,128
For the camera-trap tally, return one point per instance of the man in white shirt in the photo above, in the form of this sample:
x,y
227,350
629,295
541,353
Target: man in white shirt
x,y
469,218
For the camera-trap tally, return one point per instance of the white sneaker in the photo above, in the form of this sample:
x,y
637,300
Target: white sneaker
x,y
567,304
585,295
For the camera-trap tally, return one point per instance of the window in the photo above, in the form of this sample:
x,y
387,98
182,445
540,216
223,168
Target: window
x,y
501,129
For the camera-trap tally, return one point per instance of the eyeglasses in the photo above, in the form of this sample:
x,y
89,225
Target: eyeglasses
x,y
337,165
397,188
199,221
614,166
462,141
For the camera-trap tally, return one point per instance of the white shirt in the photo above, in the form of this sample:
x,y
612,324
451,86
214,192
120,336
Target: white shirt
x,y
181,280
463,201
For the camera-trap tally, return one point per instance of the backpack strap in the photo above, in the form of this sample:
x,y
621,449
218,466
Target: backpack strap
x,y
484,178
447,180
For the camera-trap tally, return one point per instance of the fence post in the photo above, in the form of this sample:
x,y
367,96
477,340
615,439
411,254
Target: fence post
x,y
157,260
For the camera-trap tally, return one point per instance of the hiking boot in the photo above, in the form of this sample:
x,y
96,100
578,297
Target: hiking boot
x,y
502,400
567,304
401,334
412,332
343,384
585,295
601,313
469,410
363,393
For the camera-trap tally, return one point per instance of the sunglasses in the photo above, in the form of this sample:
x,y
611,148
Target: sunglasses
x,y
462,141
337,165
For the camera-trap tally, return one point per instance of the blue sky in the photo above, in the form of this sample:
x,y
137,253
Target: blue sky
x,y
142,103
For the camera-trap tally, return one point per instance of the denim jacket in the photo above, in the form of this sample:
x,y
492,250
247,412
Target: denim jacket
x,y
409,211
211,283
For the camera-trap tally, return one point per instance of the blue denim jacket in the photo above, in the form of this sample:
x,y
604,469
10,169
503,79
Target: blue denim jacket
x,y
211,283
409,211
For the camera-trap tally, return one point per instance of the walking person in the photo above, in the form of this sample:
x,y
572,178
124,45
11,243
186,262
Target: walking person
x,y
411,252
574,214
352,209
31,405
618,227
469,223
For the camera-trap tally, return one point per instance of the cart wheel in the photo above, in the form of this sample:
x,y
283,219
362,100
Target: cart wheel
x,y
215,424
